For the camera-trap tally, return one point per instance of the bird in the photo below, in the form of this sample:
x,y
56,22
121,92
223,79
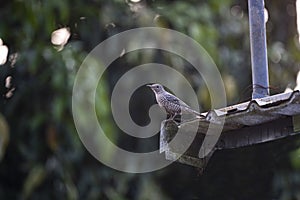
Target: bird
x,y
172,104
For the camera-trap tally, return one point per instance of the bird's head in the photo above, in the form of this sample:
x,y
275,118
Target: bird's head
x,y
157,88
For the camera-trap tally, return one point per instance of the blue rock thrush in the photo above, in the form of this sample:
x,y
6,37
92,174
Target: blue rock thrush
x,y
172,104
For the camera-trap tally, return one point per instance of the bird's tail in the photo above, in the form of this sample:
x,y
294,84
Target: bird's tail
x,y
188,110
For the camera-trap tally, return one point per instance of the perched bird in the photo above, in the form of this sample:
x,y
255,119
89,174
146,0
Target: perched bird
x,y
172,104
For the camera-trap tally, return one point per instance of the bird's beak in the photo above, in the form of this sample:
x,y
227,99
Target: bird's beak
x,y
150,86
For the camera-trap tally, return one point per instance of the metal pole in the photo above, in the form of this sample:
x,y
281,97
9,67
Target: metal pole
x,y
258,44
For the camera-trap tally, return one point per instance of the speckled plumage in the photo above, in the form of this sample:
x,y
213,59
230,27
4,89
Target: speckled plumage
x,y
172,104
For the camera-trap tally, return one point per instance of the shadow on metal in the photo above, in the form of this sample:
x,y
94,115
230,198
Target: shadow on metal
x,y
249,123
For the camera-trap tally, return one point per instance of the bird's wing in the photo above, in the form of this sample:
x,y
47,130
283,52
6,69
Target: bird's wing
x,y
184,106
176,100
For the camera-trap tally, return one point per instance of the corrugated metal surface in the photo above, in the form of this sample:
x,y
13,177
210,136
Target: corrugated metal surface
x,y
248,123
263,110
253,113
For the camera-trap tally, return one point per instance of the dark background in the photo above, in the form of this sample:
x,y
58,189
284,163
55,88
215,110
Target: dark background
x,y
44,157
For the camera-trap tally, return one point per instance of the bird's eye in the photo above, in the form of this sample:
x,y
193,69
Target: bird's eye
x,y
157,87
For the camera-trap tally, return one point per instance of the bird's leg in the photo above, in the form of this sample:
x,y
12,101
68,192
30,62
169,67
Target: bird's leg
x,y
172,116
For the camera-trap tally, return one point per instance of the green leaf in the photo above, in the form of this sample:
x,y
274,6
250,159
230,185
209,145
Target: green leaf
x,y
35,177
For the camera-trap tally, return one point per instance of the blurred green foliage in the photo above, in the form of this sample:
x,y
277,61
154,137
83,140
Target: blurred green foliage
x,y
44,158
4,136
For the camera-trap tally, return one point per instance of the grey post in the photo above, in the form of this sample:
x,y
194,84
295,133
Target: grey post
x,y
260,79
